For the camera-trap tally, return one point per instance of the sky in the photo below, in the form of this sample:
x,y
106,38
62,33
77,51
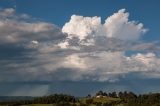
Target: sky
x,y
79,47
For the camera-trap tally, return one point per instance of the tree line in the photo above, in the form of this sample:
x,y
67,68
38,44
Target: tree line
x,y
125,98
131,99
58,99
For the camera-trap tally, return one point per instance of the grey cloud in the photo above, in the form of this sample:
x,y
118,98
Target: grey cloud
x,y
39,51
15,30
9,12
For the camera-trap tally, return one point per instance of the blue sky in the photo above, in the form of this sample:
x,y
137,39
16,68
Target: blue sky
x,y
52,46
59,11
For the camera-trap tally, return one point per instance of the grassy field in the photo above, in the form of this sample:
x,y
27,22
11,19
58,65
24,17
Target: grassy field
x,y
101,100
83,100
40,105
95,100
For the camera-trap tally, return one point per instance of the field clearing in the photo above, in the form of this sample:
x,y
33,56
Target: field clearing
x,y
40,105
101,100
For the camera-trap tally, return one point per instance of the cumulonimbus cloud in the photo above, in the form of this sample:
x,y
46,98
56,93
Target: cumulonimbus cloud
x,y
116,26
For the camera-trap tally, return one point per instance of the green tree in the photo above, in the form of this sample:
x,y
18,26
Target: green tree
x,y
89,102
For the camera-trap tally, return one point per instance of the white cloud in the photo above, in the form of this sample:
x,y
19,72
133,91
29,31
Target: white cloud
x,y
119,26
63,45
116,26
103,66
82,27
75,61
147,59
108,66
34,42
87,42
